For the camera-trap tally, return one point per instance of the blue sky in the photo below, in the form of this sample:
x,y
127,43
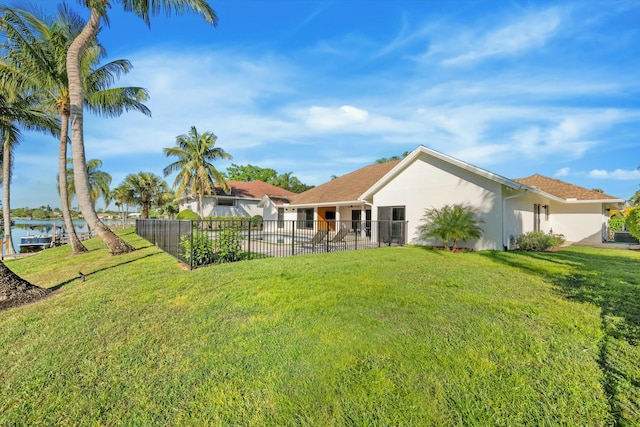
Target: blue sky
x,y
321,88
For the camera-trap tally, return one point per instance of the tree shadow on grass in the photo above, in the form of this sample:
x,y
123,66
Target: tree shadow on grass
x,y
609,280
85,275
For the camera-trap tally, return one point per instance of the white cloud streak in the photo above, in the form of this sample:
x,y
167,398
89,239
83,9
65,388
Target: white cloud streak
x,y
618,174
528,33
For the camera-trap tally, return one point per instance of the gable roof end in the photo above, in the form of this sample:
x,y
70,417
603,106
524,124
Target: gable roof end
x,y
451,160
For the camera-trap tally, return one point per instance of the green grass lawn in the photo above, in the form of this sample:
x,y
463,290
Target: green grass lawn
x,y
390,336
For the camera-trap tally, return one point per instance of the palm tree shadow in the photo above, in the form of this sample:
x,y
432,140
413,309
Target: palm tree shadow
x,y
83,276
611,283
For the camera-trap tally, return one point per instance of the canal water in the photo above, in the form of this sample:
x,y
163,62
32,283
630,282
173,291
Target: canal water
x,y
27,227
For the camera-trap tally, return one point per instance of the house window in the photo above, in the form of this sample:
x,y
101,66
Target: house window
x,y
536,217
226,202
392,225
357,223
280,217
305,218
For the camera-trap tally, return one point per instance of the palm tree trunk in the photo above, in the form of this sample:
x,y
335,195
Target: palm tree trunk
x,y
201,206
76,245
6,197
115,244
15,291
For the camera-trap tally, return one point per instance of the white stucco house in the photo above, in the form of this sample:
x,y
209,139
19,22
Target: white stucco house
x,y
242,201
401,191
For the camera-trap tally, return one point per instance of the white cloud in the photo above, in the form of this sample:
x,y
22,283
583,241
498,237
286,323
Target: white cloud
x,y
322,118
531,31
618,174
562,172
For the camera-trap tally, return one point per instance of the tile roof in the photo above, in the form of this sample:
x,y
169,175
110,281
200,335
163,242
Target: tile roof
x,y
346,188
254,190
562,189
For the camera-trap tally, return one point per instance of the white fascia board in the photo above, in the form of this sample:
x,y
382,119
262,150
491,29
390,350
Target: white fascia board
x,y
573,201
317,205
459,163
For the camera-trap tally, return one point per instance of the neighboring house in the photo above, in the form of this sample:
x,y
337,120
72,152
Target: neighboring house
x,y
401,190
242,201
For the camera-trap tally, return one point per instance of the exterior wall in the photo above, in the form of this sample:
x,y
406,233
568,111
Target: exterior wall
x,y
269,211
578,222
243,207
431,183
519,215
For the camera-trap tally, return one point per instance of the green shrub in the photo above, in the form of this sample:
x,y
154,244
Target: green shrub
x,y
451,223
538,241
203,251
220,222
199,251
256,221
616,223
227,246
633,223
187,214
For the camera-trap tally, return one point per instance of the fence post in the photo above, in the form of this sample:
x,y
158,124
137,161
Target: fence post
x,y
293,237
249,242
191,246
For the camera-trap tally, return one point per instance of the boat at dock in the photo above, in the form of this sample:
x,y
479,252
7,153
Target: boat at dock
x,y
34,243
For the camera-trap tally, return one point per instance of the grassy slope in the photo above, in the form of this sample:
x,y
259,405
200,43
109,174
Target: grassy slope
x,y
387,336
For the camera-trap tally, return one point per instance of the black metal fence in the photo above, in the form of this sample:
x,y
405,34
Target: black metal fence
x,y
202,242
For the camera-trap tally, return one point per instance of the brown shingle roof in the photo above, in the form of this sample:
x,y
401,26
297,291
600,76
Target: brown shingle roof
x,y
254,190
346,188
562,189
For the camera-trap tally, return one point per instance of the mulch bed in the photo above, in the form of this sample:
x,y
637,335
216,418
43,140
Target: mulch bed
x,y
15,291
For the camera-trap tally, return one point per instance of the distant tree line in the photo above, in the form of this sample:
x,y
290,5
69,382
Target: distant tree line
x,y
247,173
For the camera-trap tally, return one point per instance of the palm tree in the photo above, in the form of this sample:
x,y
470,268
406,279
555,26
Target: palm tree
x,y
99,182
17,110
146,190
75,52
39,45
122,197
450,223
196,176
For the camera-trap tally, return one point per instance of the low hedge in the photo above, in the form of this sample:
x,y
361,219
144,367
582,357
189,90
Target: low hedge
x,y
539,241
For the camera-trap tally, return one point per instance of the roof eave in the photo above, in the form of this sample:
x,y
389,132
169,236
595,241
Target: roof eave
x,y
321,204
611,201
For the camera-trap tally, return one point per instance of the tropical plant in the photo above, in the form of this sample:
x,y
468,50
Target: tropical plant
x,y
196,175
633,223
635,199
18,110
250,173
146,190
171,209
39,45
450,223
122,196
99,182
98,10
